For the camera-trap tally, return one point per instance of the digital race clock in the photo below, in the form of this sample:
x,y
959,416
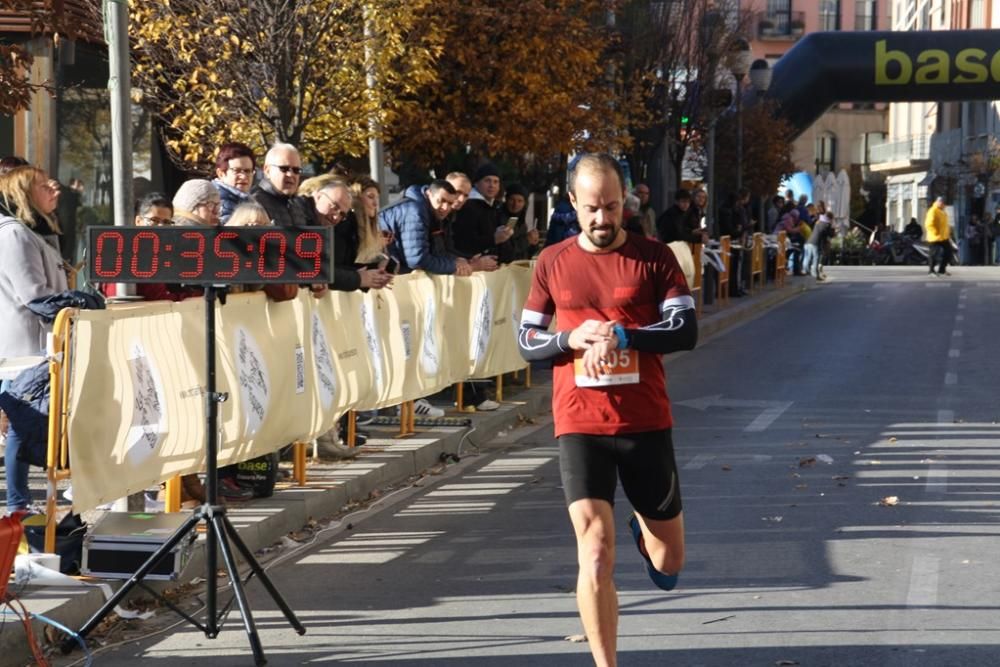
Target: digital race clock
x,y
210,255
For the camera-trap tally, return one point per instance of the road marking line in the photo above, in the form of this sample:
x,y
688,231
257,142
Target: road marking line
x,y
946,417
960,318
951,378
937,479
961,306
923,591
957,333
954,353
767,418
699,462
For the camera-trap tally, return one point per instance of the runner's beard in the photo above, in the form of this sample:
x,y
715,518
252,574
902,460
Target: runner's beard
x,y
602,236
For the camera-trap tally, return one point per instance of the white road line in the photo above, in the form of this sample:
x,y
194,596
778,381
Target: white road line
x,y
960,318
951,379
957,333
954,353
946,417
937,479
923,591
767,418
961,306
699,462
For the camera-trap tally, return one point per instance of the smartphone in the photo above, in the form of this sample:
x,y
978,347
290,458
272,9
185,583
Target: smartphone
x,y
511,222
392,266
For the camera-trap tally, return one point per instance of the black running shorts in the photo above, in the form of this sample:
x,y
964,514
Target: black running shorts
x,y
591,465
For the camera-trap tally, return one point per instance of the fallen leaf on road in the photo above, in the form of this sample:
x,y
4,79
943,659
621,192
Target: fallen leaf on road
x,y
836,477
577,639
889,501
801,486
807,461
786,663
775,519
823,458
727,468
892,439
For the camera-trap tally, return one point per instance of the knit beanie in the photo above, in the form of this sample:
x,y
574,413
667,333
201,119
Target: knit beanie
x,y
194,192
486,169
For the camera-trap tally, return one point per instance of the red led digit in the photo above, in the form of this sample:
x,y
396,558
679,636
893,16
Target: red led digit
x,y
282,247
119,241
316,254
197,256
154,256
227,254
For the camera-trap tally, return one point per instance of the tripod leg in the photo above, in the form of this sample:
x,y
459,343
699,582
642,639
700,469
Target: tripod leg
x,y
264,579
140,574
219,527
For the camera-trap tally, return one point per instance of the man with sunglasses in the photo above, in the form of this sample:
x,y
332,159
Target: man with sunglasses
x,y
277,192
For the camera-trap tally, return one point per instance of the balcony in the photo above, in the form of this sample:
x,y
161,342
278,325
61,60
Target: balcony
x,y
780,27
911,154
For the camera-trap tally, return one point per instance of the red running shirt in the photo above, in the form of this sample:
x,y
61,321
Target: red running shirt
x,y
630,285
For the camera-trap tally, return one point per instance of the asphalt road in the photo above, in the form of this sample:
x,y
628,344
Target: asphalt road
x,y
838,460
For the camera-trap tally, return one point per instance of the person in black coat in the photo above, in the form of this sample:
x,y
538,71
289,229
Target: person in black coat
x,y
679,222
479,227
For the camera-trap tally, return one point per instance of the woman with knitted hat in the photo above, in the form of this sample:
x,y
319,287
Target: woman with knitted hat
x,y
196,204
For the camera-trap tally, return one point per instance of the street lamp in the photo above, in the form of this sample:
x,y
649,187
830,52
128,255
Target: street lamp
x,y
739,65
760,79
712,25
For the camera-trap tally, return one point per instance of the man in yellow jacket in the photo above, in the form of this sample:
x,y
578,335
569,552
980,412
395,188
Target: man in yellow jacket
x,y
938,237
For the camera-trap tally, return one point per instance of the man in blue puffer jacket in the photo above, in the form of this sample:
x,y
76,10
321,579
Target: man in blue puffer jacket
x,y
418,231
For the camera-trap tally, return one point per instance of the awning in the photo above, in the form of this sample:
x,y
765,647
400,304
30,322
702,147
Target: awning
x,y
917,177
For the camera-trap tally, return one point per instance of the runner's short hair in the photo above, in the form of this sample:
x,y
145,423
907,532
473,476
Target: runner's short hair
x,y
591,162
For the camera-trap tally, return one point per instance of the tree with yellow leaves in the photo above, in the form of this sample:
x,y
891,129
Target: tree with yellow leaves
x,y
16,86
524,80
261,71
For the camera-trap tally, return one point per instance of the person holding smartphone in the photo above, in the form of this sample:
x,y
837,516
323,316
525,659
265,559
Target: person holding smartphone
x,y
479,229
523,243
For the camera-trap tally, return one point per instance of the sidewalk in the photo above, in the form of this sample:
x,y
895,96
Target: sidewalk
x,y
383,462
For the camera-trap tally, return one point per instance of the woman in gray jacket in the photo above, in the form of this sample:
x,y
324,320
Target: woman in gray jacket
x,y
30,267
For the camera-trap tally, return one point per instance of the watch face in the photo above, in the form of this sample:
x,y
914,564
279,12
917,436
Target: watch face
x,y
211,255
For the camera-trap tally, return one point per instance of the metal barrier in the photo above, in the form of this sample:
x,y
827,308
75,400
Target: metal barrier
x,y
697,289
725,253
757,261
781,263
57,459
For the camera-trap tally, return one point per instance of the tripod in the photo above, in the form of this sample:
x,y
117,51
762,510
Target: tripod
x,y
219,531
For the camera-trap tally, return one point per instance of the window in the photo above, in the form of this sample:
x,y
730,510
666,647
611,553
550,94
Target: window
x,y
826,152
829,15
864,15
780,12
868,140
977,14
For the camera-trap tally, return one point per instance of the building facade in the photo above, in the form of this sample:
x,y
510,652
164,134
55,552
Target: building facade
x,y
843,137
947,149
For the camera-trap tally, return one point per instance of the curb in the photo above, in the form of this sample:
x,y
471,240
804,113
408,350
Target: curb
x,y
383,461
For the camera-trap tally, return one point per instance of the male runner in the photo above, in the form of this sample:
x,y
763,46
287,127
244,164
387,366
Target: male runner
x,y
620,301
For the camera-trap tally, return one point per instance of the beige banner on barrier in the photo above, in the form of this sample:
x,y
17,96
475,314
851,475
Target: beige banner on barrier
x,y
136,403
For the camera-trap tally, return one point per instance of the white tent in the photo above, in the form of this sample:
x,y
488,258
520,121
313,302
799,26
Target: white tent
x,y
841,200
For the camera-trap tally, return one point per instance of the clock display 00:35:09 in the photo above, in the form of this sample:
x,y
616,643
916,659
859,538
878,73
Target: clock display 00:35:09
x,y
207,255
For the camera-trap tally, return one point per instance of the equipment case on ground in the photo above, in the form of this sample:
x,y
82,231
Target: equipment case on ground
x,y
120,542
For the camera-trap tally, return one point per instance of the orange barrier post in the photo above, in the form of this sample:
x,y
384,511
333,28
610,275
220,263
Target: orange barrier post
x,y
299,454
57,454
460,397
725,249
527,376
757,261
781,263
698,287
172,494
352,429
407,419
500,389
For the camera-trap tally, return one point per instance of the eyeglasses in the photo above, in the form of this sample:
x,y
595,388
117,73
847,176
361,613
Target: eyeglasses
x,y
285,168
211,206
158,222
240,171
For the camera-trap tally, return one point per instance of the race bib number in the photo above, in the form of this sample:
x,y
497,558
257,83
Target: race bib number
x,y
622,368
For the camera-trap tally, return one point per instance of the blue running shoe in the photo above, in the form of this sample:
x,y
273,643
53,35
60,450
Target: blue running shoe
x,y
665,581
